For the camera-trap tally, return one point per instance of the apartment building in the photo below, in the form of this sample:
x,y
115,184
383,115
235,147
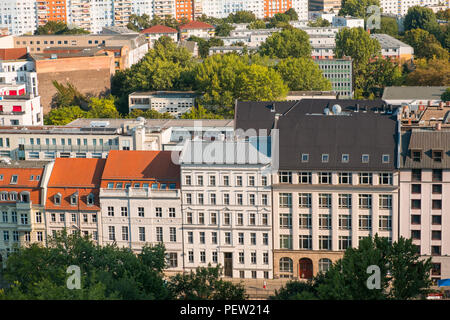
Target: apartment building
x,y
394,49
174,102
349,22
163,8
400,7
51,11
18,107
226,205
18,16
155,32
185,9
197,29
325,5
336,182
141,202
424,182
339,72
21,205
72,197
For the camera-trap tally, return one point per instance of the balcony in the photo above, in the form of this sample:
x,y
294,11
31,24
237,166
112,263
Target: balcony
x,y
23,205
140,193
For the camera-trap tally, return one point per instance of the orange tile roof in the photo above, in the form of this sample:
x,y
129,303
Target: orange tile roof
x,y
66,193
196,25
76,172
159,29
13,53
141,165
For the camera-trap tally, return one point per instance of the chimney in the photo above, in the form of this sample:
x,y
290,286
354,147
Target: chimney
x,y
357,107
441,105
438,126
429,103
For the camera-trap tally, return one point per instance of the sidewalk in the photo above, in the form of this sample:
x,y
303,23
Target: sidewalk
x,y
255,287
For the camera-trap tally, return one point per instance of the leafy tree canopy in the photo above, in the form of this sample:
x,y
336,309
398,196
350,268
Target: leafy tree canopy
x,y
422,18
319,22
287,43
446,95
425,44
434,72
357,8
58,27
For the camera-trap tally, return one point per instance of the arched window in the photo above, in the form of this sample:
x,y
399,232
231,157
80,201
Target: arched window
x,y
13,196
4,196
324,265
286,267
90,199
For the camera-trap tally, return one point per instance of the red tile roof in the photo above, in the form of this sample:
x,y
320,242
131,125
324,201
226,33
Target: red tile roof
x,y
13,53
141,165
66,193
196,25
23,182
76,172
159,29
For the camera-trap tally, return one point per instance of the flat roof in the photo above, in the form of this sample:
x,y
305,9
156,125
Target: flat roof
x,y
413,93
387,41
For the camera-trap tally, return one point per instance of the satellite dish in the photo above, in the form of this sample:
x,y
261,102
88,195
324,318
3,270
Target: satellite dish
x,y
337,109
326,111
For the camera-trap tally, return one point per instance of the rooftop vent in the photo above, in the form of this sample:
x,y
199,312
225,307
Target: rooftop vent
x,y
99,124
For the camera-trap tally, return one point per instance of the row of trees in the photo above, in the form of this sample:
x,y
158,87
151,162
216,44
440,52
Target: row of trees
x,y
402,275
58,27
107,272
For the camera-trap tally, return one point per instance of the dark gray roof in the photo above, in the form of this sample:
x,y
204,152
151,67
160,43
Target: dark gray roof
x,y
305,129
425,140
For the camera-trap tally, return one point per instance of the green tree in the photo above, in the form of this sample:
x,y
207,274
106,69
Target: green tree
x,y
425,44
149,114
241,17
380,73
205,284
224,29
67,95
422,18
292,14
58,27
301,74
296,290
388,26
357,8
138,23
443,14
257,24
287,43
64,115
434,72
319,22
446,95
103,108
200,112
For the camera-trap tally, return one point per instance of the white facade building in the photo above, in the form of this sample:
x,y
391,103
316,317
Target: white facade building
x,y
18,108
400,7
350,22
174,102
19,16
226,212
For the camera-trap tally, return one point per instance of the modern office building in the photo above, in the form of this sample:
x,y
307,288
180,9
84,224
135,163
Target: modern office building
x,y
174,102
47,10
325,5
400,7
336,181
339,72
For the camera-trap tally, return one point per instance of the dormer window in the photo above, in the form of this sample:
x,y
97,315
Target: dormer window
x,y
110,185
90,199
385,158
119,185
345,158
13,196
365,158
3,196
305,157
74,199
416,155
32,177
25,196
325,157
38,177
437,155
57,199
14,179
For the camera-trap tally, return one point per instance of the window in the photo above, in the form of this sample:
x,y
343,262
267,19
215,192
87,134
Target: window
x,y
227,218
124,233
16,236
264,200
264,180
305,157
110,185
251,181
345,222
324,265
324,221
265,219
304,177
437,175
345,201
141,234
265,239
171,212
416,188
345,177
251,199
415,204
385,178
266,259
187,180
5,216
436,155
213,218
286,266
285,241
365,222
141,212
325,158
415,219
173,259
14,179
253,238
285,177
285,200
385,158
239,200
416,175
227,237
252,220
435,250
437,189
112,233
365,178
365,158
436,235
385,201
173,234
305,221
325,177
436,220
159,234
385,223
191,256
324,200
226,181
253,259
202,256
304,200
324,242
158,212
226,199
241,238
90,199
239,181
189,198
305,242
285,220
436,204
240,219
214,237
345,158
435,269
365,201
124,211
241,257
212,180
57,199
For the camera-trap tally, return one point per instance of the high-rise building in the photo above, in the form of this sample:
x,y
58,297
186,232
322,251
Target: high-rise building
x,y
400,7
184,9
51,11
18,16
325,5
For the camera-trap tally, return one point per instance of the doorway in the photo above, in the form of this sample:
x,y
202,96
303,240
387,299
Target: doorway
x,y
306,268
228,264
